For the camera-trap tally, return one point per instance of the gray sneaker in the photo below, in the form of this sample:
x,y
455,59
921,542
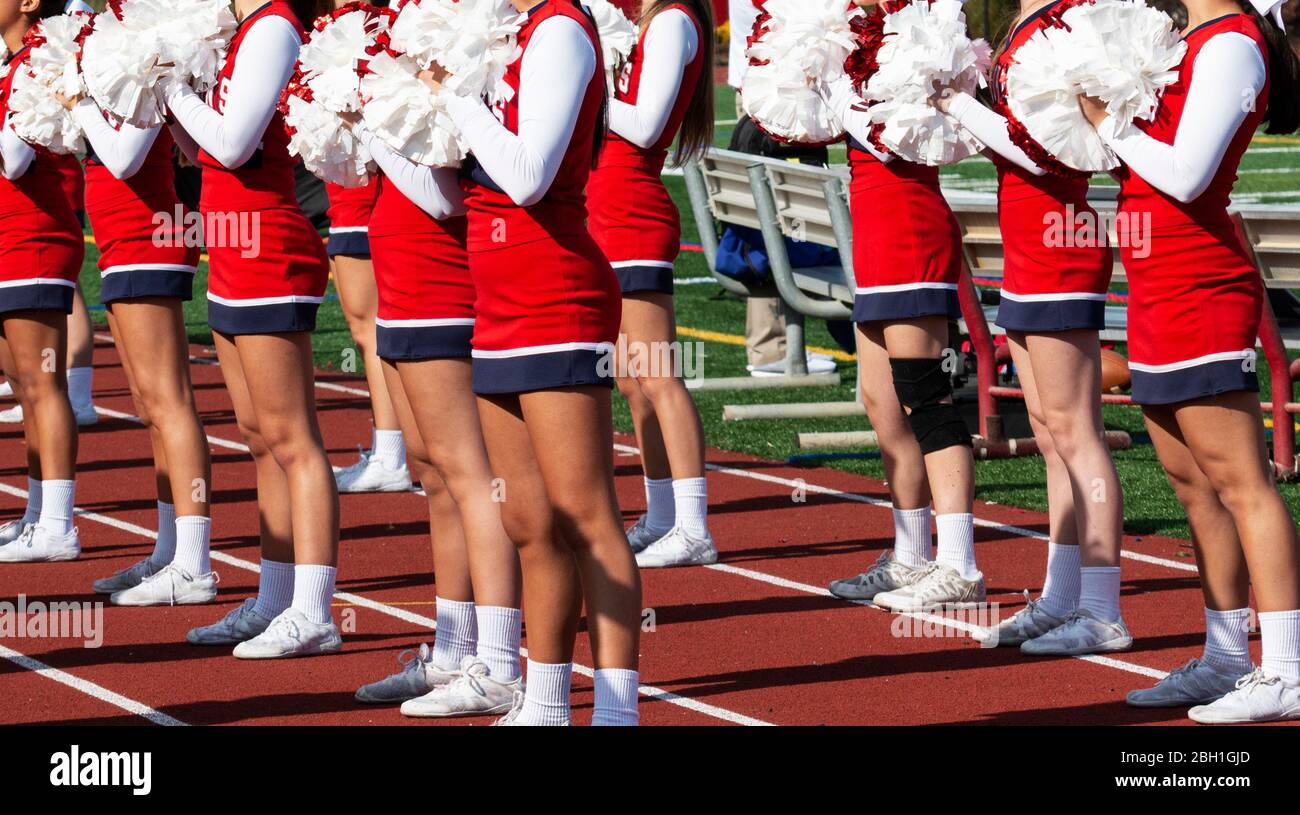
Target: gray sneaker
x,y
1026,624
1196,683
128,578
640,535
240,623
419,675
886,574
1081,633
938,586
13,530
1256,698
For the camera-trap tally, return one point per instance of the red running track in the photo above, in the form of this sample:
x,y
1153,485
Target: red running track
x,y
753,640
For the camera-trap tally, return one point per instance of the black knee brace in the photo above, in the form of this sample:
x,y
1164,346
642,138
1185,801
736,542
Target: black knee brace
x,y
923,387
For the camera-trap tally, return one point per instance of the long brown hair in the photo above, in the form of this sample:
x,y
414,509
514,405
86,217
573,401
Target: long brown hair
x,y
1283,115
309,10
697,128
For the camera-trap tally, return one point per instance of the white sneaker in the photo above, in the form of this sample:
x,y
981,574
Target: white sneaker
x,y
370,475
292,635
1081,633
170,586
240,623
472,693
640,535
84,414
817,364
939,585
1026,624
511,719
1257,698
6,389
12,531
886,574
1196,683
678,549
419,675
127,578
38,545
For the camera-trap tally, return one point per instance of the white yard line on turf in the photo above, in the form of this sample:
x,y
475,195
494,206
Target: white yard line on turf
x,y
89,688
411,617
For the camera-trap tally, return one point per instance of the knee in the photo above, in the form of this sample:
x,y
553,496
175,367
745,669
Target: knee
x,y
530,532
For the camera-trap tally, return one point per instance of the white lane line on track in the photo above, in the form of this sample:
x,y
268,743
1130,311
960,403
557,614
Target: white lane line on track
x,y
89,688
411,617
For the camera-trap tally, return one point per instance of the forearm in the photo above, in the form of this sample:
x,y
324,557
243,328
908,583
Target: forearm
x,y
851,111
434,190
122,151
671,44
991,129
16,155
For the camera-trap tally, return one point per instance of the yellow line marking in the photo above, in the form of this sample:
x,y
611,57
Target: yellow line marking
x,y
736,339
1275,140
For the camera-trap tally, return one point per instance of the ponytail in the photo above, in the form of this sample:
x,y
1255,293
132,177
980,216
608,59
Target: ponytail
x,y
1283,114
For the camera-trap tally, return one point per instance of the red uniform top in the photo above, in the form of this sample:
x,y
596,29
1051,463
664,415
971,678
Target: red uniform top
x,y
351,207
266,180
563,210
154,181
37,203
1210,209
421,266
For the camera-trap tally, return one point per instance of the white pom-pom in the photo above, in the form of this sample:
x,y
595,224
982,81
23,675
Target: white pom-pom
x,y
405,114
51,67
124,58
327,84
1124,53
618,36
801,45
329,151
924,50
473,40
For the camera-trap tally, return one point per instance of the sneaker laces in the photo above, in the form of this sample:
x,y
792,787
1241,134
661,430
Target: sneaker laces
x,y
27,537
413,658
286,626
1254,679
360,464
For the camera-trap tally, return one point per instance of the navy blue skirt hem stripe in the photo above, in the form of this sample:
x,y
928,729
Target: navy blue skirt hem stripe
x,y
644,278
1196,382
1043,316
146,283
426,342
905,305
274,318
348,243
535,372
52,296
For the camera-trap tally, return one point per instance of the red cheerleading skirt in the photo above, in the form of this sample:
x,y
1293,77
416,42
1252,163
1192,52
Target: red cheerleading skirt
x,y
426,297
635,222
906,243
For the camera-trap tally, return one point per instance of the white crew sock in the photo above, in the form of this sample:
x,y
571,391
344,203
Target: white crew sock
x,y
498,640
457,633
1280,632
1227,641
80,382
1061,589
274,588
546,694
57,498
192,534
957,543
313,589
691,501
34,492
1099,591
390,448
661,505
616,697
913,543
164,548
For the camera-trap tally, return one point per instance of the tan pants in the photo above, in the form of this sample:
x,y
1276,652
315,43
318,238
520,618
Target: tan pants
x,y
764,330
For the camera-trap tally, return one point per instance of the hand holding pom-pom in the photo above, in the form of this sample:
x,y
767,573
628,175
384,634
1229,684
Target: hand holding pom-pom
x,y
473,40
403,107
38,112
1122,54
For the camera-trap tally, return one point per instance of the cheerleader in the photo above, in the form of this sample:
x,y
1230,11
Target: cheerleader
x,y
147,272
907,261
382,467
425,323
546,319
661,90
1053,305
40,257
1194,312
267,278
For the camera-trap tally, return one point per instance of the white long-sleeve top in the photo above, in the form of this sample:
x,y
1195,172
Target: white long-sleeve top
x,y
266,59
16,155
990,127
1229,74
123,150
557,66
670,45
436,190
849,108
